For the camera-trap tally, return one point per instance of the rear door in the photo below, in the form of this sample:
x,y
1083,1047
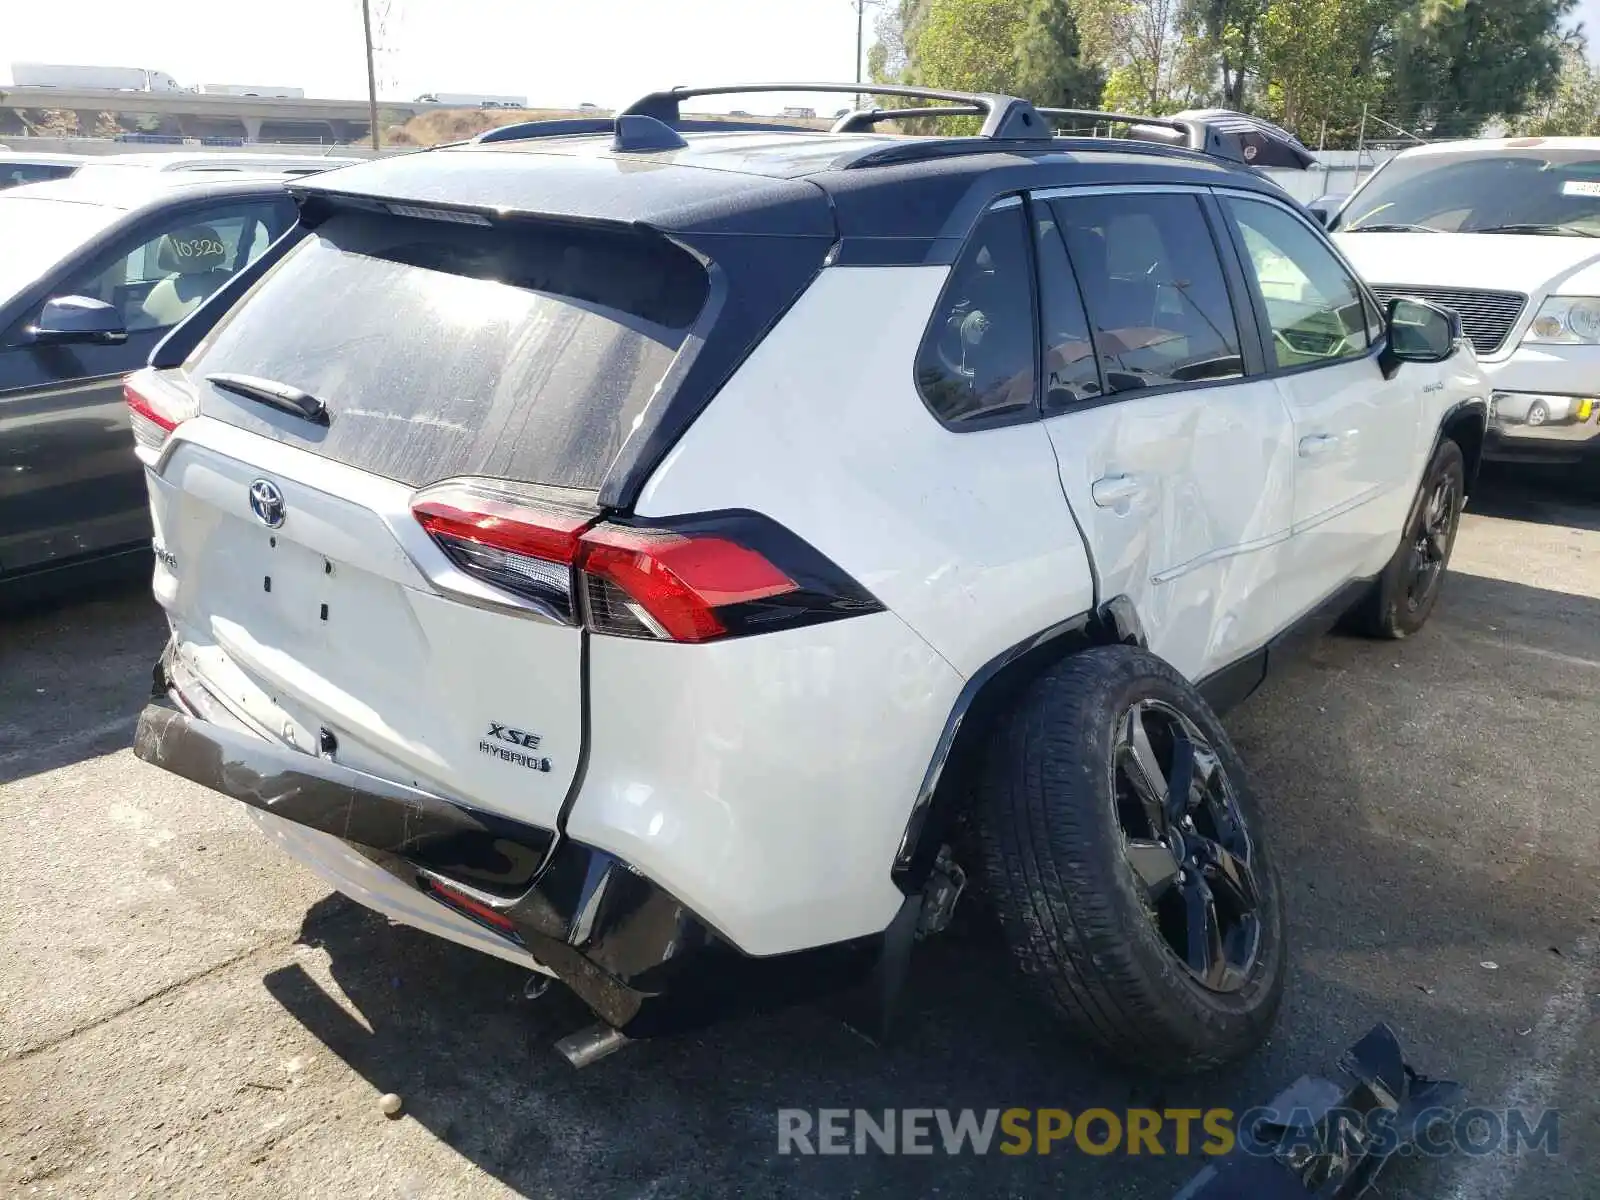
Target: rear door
x,y
1355,432
305,593
1174,456
70,486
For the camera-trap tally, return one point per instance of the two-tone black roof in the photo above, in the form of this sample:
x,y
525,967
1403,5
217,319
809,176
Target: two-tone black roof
x,y
888,198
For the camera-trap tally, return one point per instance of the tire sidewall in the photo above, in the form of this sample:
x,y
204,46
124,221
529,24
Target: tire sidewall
x,y
1397,619
1186,1016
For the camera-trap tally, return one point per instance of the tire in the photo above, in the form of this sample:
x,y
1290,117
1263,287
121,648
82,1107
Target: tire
x,y
1538,413
1054,820
1395,607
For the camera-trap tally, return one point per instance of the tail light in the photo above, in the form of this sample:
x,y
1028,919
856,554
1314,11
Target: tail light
x,y
155,408
684,579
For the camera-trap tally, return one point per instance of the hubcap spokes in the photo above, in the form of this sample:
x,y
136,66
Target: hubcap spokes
x,y
1186,841
1432,545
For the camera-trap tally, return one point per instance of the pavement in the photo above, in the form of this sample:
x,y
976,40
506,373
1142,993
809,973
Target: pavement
x,y
183,1012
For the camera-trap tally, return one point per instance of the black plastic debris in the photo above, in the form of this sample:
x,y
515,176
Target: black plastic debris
x,y
1321,1141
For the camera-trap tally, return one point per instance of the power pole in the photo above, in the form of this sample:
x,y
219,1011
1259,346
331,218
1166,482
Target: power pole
x,y
372,73
861,9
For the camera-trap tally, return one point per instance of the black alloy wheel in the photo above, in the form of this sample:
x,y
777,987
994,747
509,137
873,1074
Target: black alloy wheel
x,y
1187,841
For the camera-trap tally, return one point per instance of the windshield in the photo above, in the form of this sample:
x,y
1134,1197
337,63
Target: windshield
x,y
35,234
1551,192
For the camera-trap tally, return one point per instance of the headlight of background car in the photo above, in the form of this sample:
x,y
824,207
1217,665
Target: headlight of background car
x,y
1567,321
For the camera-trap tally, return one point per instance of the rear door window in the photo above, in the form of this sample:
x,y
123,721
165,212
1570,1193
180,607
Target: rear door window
x,y
975,367
1154,288
520,351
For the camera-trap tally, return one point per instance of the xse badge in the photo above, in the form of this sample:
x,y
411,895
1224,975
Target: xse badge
x,y
515,737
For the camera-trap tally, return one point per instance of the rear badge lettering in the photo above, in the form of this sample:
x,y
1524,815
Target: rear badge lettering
x,y
516,737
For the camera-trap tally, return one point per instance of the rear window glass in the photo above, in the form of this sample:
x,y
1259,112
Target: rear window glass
x,y
517,351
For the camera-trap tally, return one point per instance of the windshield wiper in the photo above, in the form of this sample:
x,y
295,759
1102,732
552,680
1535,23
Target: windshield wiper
x,y
1536,227
280,396
1393,227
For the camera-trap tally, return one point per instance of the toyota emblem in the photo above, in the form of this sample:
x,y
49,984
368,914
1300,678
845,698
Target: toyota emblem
x,y
266,501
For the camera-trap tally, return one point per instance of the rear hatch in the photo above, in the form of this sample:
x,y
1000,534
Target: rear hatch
x,y
305,593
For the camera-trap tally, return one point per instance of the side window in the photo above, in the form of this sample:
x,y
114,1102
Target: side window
x,y
1154,288
1071,373
1314,306
976,360
158,278
17,174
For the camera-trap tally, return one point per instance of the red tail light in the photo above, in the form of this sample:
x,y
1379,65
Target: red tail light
x,y
155,408
691,579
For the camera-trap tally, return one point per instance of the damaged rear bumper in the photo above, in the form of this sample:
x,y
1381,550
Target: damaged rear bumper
x,y
644,963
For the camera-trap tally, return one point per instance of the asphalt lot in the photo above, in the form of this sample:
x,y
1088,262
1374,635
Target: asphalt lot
x,y
185,1013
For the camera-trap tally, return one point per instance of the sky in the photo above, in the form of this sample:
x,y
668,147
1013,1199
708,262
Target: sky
x,y
559,53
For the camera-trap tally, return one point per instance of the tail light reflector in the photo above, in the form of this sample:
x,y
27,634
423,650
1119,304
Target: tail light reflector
x,y
472,907
685,579
155,408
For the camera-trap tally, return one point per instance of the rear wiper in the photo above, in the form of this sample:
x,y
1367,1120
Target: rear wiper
x,y
1535,227
1393,227
280,396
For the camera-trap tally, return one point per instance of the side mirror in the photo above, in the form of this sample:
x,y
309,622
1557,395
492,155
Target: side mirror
x,y
1419,332
1326,208
78,319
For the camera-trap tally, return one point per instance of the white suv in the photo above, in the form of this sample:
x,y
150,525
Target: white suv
x,y
673,558
1500,231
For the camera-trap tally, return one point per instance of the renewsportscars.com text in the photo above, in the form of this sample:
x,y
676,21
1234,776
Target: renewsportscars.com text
x,y
1147,1131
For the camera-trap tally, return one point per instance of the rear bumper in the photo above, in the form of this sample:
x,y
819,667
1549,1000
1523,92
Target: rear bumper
x,y
639,958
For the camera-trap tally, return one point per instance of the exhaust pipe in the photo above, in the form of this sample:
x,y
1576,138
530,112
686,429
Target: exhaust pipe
x,y
591,1045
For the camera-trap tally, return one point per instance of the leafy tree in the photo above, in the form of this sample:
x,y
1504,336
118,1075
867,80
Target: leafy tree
x,y
1457,63
1050,69
1573,110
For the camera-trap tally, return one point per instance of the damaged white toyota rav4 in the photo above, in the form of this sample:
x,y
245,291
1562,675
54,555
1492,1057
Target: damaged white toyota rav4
x,y
676,558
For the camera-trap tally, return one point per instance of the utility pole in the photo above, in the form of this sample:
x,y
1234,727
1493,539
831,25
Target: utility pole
x,y
372,73
861,10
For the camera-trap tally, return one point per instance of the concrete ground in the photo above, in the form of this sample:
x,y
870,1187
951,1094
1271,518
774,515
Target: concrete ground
x,y
185,1013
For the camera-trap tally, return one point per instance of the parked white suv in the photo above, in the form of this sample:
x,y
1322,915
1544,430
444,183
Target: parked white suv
x,y
1504,233
672,559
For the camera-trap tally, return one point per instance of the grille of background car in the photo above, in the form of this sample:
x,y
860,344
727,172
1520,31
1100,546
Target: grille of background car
x,y
1487,317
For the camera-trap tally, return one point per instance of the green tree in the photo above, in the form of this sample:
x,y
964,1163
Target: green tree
x,y
1456,63
1573,109
969,45
1050,68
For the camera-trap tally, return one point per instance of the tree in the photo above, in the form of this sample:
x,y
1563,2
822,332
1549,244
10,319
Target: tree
x,y
1456,63
1138,43
1573,110
1050,69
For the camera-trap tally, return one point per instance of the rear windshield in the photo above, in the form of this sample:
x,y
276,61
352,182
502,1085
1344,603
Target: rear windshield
x,y
519,351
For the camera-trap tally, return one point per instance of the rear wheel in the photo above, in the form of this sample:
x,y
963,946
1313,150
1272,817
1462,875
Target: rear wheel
x,y
1403,597
1122,851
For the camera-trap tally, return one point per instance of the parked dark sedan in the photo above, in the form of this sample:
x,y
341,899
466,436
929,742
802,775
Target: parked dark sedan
x,y
93,273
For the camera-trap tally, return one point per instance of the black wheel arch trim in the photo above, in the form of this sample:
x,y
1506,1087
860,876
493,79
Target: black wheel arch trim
x,y
1474,410
947,778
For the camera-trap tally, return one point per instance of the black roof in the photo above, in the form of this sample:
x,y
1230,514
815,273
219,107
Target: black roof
x,y
886,198
795,184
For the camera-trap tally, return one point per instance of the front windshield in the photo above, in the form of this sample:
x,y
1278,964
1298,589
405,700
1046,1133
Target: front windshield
x,y
1551,192
36,233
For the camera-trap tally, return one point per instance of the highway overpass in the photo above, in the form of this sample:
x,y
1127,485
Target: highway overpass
x,y
196,115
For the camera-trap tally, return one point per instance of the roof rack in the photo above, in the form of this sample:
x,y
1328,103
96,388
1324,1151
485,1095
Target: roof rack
x,y
648,123
1003,116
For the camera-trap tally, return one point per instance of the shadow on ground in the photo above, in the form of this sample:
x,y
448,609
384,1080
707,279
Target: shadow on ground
x,y
1414,845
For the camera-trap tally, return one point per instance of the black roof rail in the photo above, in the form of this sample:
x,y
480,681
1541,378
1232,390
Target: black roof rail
x,y
1004,117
